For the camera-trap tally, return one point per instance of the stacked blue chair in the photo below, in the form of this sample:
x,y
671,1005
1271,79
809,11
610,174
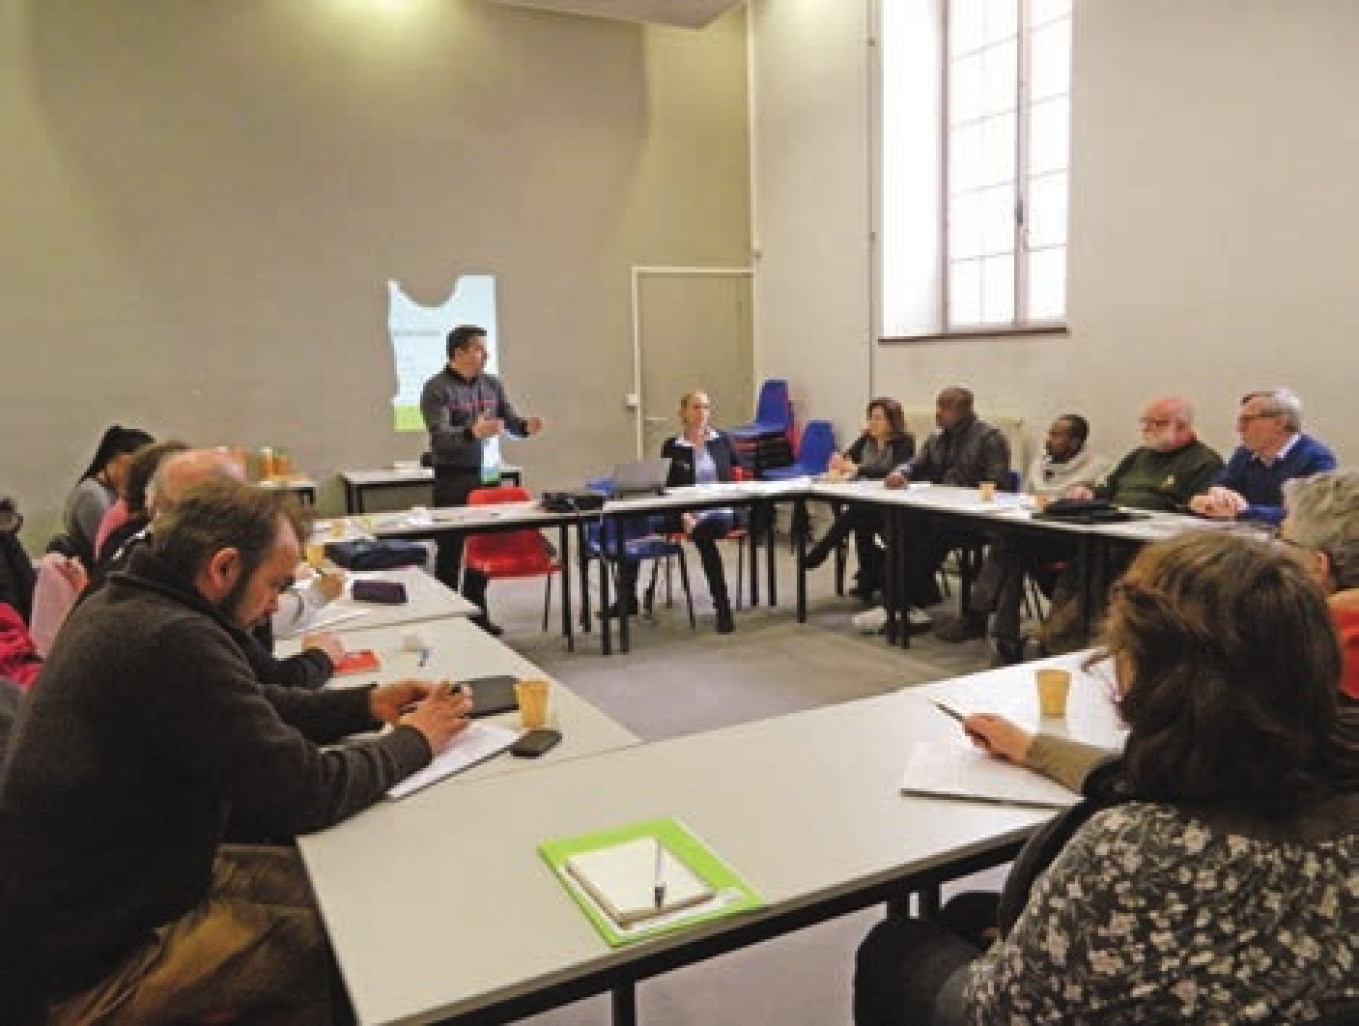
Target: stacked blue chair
x,y
813,455
764,442
814,452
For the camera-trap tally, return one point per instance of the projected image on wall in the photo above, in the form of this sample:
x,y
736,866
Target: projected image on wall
x,y
419,337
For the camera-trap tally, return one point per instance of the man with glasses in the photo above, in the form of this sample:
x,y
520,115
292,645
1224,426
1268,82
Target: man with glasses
x,y
1163,474
1166,470
1273,450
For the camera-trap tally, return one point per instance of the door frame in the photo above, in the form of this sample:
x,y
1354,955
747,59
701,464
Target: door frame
x,y
638,272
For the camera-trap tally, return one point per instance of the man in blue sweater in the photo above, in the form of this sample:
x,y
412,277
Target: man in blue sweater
x,y
1273,449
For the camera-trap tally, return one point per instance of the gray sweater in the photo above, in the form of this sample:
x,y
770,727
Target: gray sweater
x,y
148,731
451,404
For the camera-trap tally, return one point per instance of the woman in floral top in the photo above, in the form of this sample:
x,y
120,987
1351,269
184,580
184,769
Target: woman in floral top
x,y
1224,886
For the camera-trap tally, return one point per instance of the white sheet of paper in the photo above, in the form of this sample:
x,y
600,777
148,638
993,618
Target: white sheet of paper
x,y
939,769
478,742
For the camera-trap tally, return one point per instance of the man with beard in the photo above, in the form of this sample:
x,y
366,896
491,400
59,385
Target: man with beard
x,y
1163,474
119,903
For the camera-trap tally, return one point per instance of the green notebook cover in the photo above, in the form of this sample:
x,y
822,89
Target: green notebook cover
x,y
732,893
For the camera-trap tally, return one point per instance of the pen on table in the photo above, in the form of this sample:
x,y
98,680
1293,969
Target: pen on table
x,y
424,657
658,889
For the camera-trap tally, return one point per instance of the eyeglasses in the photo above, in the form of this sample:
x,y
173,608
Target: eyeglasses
x,y
1246,418
1156,422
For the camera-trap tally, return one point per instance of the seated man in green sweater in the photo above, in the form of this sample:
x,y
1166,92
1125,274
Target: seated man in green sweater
x,y
1168,469
119,903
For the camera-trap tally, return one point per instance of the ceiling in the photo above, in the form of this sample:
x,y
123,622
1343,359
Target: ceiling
x,y
686,13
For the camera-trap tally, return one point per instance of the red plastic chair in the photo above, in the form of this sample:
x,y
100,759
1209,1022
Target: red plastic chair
x,y
509,554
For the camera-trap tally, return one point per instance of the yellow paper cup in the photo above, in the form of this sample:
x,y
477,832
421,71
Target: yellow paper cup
x,y
1053,687
986,491
316,554
532,697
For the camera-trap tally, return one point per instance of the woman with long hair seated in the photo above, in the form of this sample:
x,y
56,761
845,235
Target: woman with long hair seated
x,y
883,446
1209,876
98,488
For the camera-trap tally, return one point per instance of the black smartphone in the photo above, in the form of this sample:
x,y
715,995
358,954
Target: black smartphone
x,y
535,742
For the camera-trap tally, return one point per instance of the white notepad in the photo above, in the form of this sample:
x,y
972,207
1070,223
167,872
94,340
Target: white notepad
x,y
947,770
622,880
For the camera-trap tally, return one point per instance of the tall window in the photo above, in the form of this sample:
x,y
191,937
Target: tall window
x,y
999,125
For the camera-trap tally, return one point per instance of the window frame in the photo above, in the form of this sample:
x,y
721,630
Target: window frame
x,y
1020,323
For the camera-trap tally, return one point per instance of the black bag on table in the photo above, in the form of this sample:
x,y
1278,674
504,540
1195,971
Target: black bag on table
x,y
376,554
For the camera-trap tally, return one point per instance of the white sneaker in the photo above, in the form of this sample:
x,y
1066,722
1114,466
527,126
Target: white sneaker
x,y
870,621
918,617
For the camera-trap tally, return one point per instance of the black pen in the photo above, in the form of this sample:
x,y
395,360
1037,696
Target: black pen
x,y
454,690
948,711
954,714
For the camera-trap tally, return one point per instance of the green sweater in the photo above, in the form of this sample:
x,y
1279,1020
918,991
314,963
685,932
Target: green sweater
x,y
1161,481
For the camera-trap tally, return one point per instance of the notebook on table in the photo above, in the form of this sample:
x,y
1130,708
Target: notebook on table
x,y
641,477
637,880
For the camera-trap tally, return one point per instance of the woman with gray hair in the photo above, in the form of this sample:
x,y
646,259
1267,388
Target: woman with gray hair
x,y
1322,521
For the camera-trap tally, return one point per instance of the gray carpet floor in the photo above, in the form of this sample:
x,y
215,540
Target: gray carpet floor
x,y
676,681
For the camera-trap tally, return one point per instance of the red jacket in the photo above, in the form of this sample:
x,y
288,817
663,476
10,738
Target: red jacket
x,y
1347,626
19,660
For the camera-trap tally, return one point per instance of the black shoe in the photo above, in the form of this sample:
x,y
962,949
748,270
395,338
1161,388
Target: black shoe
x,y
725,624
484,622
615,610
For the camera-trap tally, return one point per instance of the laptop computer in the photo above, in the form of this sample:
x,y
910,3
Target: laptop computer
x,y
641,477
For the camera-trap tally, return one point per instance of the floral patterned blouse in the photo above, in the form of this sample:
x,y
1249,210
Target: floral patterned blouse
x,y
1151,915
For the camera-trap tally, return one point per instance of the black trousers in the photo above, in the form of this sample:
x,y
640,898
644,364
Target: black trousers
x,y
705,536
451,488
911,972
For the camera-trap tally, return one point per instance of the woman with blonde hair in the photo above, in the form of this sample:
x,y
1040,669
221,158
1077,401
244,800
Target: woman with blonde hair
x,y
699,454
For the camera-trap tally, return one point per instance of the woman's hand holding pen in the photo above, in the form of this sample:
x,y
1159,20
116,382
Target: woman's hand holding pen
x,y
438,711
997,736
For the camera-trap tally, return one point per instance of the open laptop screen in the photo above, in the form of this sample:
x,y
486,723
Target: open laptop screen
x,y
641,477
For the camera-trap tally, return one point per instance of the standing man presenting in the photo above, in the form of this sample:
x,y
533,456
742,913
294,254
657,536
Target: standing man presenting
x,y
463,407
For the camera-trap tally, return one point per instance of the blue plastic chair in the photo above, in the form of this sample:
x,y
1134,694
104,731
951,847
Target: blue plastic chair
x,y
773,413
814,454
641,540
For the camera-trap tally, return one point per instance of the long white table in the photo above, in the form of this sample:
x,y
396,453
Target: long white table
x,y
807,807
459,650
1008,514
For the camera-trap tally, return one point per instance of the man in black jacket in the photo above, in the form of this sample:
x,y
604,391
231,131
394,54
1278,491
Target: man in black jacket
x,y
118,900
463,407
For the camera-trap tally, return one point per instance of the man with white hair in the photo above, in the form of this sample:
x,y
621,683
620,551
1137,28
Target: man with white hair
x,y
1273,450
1322,524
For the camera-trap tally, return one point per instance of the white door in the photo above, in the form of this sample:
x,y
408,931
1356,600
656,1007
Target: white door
x,y
694,331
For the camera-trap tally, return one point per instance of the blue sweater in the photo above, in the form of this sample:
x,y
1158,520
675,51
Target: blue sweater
x,y
1262,486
